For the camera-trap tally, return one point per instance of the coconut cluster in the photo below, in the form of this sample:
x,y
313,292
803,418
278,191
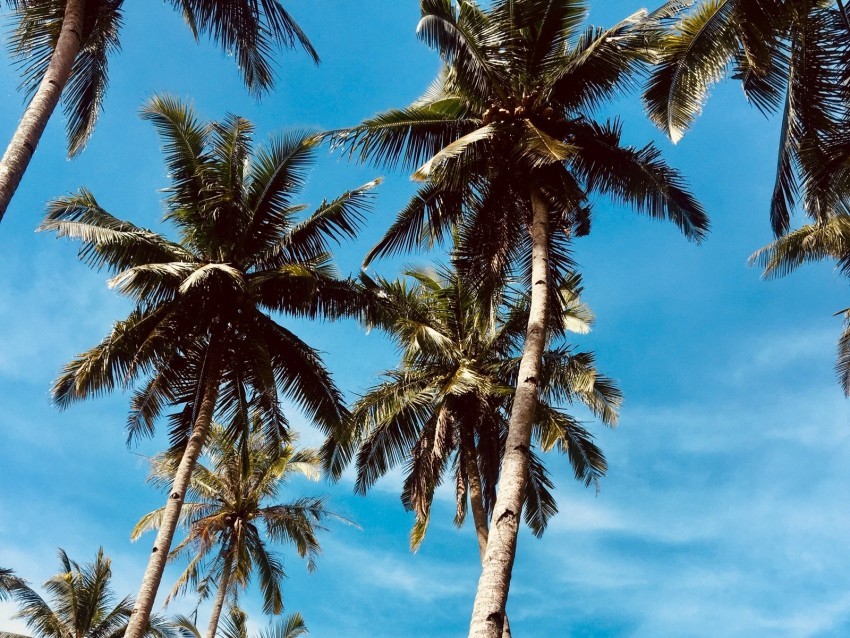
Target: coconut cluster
x,y
526,108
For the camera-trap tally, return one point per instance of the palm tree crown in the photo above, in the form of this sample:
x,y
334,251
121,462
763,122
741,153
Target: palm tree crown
x,y
234,505
81,603
235,625
511,109
241,255
446,406
201,336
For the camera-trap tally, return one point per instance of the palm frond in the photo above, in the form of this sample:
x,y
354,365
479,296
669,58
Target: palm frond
x,y
694,56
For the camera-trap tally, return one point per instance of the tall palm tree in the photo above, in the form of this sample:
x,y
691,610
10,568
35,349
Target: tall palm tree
x,y
233,507
64,47
827,239
236,626
443,411
201,332
81,603
511,155
789,55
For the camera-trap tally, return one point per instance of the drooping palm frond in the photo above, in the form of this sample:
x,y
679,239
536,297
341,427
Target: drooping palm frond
x,y
636,177
829,239
694,56
251,29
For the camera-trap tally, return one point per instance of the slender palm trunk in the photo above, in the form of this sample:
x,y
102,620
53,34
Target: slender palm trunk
x,y
488,614
162,545
476,502
20,150
220,595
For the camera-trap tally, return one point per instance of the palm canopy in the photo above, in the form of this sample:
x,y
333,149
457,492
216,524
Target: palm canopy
x,y
512,109
790,55
232,508
80,603
204,302
828,239
252,30
444,410
235,625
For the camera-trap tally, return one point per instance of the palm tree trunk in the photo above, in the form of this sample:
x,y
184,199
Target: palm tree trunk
x,y
476,502
162,545
220,595
20,150
488,614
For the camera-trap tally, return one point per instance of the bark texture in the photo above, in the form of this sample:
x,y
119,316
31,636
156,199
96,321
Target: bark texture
x,y
476,496
20,150
488,614
476,503
220,595
162,545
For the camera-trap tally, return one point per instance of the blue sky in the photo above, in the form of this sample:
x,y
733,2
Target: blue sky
x,y
723,512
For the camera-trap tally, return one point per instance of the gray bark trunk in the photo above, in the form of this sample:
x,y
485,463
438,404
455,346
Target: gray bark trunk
x,y
20,150
220,595
479,515
488,614
476,502
162,545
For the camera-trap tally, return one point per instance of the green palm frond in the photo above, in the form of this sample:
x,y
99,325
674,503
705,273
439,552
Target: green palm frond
x,y
694,56
539,505
422,224
602,63
291,626
463,36
813,242
332,222
408,136
636,177
251,29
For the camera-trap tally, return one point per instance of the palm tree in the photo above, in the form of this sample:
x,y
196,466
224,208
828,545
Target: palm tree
x,y
200,333
236,626
66,44
511,155
234,506
444,410
81,603
789,55
828,239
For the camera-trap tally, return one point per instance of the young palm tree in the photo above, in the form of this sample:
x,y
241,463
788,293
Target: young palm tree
x,y
444,410
201,332
233,507
511,154
64,48
236,626
789,55
828,239
81,604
